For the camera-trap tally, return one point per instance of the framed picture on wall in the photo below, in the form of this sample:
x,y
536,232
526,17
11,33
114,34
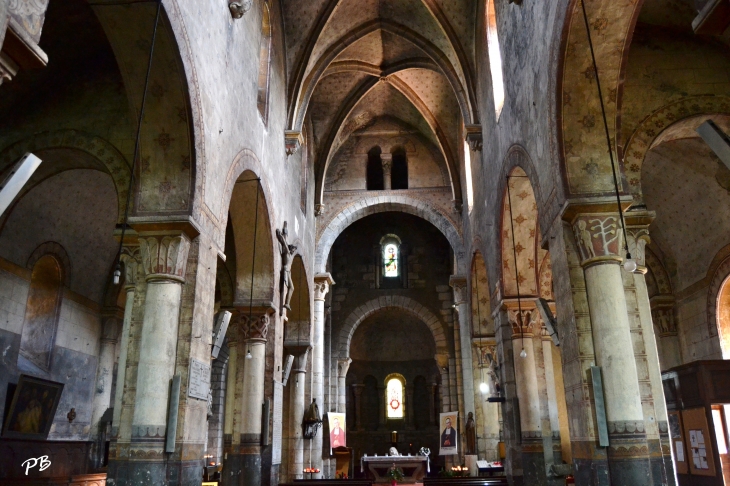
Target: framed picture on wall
x,y
32,409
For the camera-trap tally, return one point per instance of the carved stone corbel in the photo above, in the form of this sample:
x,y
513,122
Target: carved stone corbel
x,y
293,141
474,137
239,8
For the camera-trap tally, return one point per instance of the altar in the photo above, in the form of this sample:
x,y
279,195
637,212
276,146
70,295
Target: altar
x,y
414,468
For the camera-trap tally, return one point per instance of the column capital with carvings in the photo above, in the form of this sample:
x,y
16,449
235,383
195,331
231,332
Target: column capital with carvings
x,y
293,141
637,235
164,256
253,323
132,261
322,284
599,238
473,136
458,283
343,364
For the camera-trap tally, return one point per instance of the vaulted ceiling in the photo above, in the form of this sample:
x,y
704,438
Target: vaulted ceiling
x,y
353,62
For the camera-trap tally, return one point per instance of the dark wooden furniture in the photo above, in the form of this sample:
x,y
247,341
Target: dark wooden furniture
x,y
692,391
465,481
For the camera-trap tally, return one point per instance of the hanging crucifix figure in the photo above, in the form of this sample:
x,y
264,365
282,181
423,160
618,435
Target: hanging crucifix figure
x,y
287,257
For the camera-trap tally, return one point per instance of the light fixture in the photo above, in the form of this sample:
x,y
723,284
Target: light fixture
x,y
629,263
248,354
312,421
484,388
117,273
523,353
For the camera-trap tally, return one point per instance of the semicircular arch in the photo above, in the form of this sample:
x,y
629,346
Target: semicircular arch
x,y
380,204
407,304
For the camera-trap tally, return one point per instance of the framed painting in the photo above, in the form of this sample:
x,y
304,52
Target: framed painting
x,y
32,409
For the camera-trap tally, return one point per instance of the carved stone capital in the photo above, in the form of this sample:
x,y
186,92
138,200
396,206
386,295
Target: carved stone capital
x,y
386,159
164,257
343,364
598,237
254,327
318,209
322,283
293,141
474,137
663,314
8,68
132,264
239,8
458,283
524,322
357,388
458,205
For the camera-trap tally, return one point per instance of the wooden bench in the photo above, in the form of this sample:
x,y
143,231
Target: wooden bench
x,y
330,482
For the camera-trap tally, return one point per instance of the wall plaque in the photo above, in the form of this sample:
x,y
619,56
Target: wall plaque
x,y
198,379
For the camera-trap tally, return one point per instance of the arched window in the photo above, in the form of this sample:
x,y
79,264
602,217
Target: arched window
x,y
399,173
394,385
264,64
390,250
495,58
41,312
374,176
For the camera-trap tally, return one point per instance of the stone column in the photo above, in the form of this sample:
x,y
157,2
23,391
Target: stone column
x,y
528,396
105,367
490,411
552,399
381,409
322,283
462,308
661,455
343,364
254,329
663,314
131,266
229,418
387,160
297,406
164,260
599,240
357,389
431,400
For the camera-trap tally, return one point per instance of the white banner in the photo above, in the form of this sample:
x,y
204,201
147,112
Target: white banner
x,y
449,441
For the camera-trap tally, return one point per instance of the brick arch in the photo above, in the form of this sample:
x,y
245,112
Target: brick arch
x,y
57,251
380,204
102,150
644,137
407,304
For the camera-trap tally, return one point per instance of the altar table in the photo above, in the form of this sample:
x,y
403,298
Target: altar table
x,y
414,467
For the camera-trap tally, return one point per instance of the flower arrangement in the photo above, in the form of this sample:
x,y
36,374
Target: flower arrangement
x,y
395,474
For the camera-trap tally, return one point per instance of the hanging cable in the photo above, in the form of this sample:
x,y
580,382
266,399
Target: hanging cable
x,y
118,266
523,353
253,261
629,264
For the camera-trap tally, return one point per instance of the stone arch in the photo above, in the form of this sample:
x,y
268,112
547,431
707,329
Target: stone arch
x,y
172,127
58,252
718,303
411,306
242,195
380,204
681,116
113,161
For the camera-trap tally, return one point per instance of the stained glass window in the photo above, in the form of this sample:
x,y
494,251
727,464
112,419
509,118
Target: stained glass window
x,y
390,260
394,396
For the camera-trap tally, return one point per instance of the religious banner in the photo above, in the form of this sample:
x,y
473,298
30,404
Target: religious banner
x,y
449,435
337,430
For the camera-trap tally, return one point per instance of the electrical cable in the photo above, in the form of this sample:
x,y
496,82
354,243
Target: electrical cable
x,y
517,273
605,126
117,270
